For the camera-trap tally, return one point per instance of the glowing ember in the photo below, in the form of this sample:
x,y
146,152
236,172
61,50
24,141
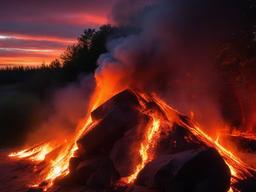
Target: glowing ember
x,y
36,153
145,152
58,166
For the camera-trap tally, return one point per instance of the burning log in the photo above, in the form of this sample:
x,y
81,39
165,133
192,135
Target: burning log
x,y
194,170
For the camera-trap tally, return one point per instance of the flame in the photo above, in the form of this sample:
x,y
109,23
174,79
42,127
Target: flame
x,y
247,135
36,153
239,169
145,152
147,145
59,165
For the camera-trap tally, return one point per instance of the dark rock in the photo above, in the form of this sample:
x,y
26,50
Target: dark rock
x,y
35,190
73,163
83,170
140,189
243,143
105,176
124,99
247,184
118,115
124,153
95,173
177,139
195,171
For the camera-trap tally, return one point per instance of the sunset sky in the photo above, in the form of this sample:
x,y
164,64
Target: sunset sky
x,y
33,32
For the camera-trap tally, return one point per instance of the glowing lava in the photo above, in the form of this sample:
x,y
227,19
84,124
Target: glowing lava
x,y
239,169
36,153
58,166
146,146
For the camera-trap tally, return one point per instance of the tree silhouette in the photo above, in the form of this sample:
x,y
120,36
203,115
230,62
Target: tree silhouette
x,y
82,57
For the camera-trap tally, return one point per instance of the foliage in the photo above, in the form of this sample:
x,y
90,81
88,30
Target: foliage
x,y
26,91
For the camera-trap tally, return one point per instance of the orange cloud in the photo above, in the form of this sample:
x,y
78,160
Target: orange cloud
x,y
37,49
36,38
30,57
82,19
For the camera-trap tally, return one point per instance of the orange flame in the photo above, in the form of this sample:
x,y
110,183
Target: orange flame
x,y
145,154
59,165
36,153
239,169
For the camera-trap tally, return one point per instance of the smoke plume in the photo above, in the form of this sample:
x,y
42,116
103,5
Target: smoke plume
x,y
173,52
66,108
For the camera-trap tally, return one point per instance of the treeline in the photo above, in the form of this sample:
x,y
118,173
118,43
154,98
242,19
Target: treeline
x,y
26,92
79,58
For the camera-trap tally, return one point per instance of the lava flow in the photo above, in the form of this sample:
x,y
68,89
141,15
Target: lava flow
x,y
239,169
58,165
148,143
35,153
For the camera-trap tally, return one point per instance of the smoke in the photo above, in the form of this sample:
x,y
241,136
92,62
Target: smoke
x,y
173,52
66,108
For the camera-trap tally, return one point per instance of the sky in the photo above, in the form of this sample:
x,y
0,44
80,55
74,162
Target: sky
x,y
33,32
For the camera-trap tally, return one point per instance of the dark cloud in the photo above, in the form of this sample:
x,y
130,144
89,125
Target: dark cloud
x,y
52,16
40,8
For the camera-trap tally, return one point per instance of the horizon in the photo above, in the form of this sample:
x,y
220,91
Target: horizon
x,y
40,32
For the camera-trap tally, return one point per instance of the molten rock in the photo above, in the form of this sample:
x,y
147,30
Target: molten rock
x,y
177,161
136,142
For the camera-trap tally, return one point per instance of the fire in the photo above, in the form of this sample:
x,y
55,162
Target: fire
x,y
59,165
145,152
147,145
239,169
36,153
248,135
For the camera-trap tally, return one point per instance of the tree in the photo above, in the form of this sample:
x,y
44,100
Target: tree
x,y
82,56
